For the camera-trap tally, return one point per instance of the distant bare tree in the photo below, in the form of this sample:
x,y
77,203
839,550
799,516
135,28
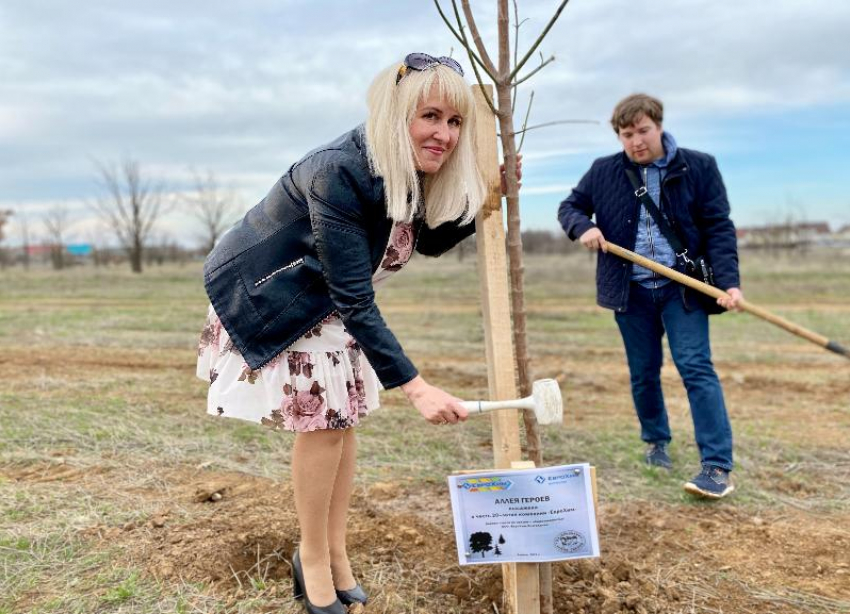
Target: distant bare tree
x,y
131,206
94,239
56,225
24,234
4,219
214,207
162,249
165,249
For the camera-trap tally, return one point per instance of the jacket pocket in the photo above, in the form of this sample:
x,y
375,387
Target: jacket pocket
x,y
272,285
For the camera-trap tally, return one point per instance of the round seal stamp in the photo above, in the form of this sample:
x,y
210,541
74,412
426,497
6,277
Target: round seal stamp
x,y
570,541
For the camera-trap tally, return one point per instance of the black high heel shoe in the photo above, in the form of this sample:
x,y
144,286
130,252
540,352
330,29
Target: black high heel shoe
x,y
300,592
354,595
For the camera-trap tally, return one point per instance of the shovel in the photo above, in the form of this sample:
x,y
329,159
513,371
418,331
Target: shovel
x,y
764,314
545,401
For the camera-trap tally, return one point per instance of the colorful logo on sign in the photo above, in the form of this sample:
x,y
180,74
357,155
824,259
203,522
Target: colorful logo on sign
x,y
486,484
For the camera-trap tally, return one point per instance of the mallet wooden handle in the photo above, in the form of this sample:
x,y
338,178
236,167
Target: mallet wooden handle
x,y
759,312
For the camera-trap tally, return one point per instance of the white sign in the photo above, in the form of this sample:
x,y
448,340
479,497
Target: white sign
x,y
524,515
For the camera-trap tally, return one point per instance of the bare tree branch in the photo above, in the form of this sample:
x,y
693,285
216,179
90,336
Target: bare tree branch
x,y
447,22
525,122
563,121
535,71
211,206
473,58
539,40
479,44
503,21
468,48
56,226
24,234
4,219
517,26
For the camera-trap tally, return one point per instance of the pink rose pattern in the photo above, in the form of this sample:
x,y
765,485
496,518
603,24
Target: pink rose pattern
x,y
400,247
211,336
307,409
249,375
252,375
299,363
316,331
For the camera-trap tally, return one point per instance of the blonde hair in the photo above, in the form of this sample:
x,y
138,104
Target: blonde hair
x,y
456,191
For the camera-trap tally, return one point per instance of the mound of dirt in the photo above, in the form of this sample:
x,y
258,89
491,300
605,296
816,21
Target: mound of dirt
x,y
236,532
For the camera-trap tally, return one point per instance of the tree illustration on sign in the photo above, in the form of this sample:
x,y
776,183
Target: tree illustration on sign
x,y
480,541
498,551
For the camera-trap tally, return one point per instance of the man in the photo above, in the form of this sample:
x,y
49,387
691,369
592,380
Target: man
x,y
686,186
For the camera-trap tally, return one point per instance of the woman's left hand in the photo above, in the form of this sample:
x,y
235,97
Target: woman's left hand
x,y
518,175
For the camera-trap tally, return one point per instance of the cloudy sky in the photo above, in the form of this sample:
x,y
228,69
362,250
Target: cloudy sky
x,y
243,89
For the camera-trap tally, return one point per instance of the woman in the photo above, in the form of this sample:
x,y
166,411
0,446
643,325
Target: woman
x,y
294,339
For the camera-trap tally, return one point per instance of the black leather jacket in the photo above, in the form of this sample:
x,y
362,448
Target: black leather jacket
x,y
309,248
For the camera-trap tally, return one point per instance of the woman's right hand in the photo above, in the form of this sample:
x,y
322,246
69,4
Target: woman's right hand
x,y
436,405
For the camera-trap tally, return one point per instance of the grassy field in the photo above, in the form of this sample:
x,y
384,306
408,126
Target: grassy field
x,y
106,453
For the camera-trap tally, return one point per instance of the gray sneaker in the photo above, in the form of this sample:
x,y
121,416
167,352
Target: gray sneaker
x,y
656,456
711,483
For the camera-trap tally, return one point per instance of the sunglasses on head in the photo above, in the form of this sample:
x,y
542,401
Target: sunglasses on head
x,y
423,61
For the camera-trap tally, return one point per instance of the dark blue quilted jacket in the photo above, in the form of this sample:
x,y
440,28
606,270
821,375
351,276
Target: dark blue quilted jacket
x,y
694,198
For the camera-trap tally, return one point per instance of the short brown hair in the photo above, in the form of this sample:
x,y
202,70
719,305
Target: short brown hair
x,y
630,109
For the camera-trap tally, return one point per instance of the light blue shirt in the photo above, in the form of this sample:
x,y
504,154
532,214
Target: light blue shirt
x,y
650,242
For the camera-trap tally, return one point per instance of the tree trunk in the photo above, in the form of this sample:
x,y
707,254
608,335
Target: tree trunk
x,y
136,253
517,275
504,78
517,270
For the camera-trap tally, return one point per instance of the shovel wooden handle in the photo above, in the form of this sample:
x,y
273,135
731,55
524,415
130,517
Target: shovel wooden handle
x,y
757,311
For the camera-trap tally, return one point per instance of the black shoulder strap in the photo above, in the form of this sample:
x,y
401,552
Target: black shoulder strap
x,y
646,200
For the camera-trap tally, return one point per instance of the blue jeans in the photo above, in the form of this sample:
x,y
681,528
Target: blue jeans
x,y
651,313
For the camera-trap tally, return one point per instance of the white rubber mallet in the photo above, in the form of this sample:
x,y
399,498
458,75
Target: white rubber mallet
x,y
545,401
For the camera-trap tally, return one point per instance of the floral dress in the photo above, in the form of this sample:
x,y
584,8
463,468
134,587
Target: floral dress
x,y
322,381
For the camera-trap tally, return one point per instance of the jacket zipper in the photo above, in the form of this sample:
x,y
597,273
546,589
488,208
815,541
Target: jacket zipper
x,y
291,265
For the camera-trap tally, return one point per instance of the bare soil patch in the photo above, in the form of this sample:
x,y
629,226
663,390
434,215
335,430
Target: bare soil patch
x,y
236,532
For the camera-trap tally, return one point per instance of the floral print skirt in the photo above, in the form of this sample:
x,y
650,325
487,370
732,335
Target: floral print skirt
x,y
312,385
322,381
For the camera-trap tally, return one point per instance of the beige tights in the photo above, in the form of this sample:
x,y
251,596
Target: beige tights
x,y
323,465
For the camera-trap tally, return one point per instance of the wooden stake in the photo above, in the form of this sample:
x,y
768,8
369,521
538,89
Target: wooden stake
x,y
595,495
520,581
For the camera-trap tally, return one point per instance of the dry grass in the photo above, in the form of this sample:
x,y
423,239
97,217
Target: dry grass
x,y
103,444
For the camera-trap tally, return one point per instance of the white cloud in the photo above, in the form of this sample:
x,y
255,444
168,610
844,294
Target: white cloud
x,y
555,188
244,89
